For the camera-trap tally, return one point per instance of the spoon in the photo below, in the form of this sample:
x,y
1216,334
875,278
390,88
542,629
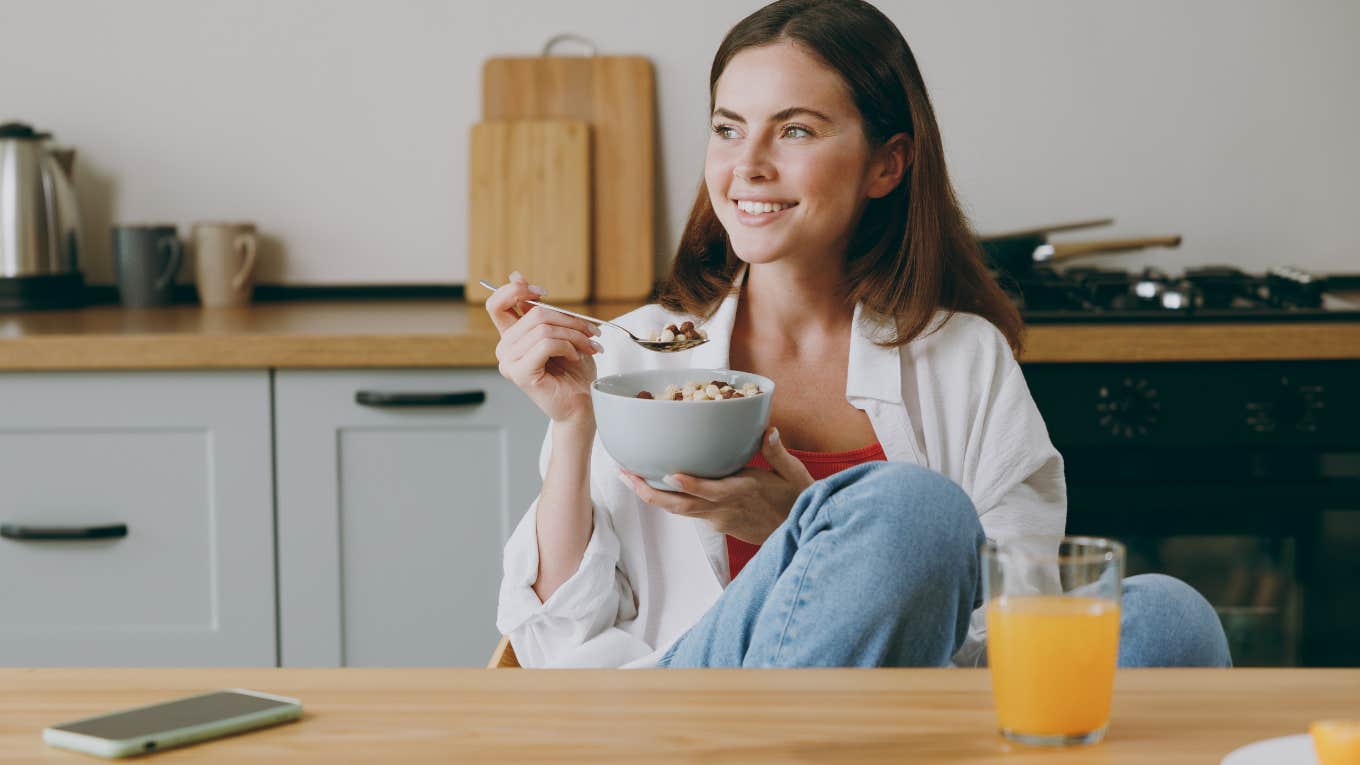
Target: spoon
x,y
651,345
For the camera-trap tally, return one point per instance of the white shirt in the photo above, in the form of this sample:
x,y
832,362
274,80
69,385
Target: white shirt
x,y
952,400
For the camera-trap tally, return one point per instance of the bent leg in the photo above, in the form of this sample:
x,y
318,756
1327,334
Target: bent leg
x,y
876,566
1164,622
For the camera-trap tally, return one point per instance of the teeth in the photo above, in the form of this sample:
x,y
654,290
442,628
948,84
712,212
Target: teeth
x,y
758,208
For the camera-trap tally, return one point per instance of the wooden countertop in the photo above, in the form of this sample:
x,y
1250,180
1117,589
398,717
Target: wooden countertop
x,y
441,333
747,716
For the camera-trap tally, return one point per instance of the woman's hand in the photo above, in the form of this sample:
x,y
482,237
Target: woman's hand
x,y
548,355
749,505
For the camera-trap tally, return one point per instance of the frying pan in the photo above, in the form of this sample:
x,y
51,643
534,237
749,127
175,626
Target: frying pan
x,y
1017,252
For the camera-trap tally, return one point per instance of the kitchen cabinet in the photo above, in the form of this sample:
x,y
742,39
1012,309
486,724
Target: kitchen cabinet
x,y
396,492
138,514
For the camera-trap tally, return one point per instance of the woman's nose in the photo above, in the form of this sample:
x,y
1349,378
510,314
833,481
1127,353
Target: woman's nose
x,y
753,164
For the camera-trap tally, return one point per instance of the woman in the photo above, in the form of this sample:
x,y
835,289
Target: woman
x,y
826,251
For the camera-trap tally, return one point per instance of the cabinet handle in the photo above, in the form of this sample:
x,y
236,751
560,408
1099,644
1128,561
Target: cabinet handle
x,y
54,533
447,398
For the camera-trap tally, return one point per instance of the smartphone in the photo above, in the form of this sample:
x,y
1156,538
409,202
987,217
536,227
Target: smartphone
x,y
173,723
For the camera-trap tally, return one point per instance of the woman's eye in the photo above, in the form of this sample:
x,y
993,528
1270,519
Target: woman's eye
x,y
796,131
724,131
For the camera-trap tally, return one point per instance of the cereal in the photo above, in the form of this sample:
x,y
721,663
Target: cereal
x,y
714,390
670,333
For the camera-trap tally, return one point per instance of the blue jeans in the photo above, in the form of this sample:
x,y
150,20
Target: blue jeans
x,y
879,566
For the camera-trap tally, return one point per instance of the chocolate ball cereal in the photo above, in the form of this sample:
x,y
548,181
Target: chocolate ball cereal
x,y
714,390
671,333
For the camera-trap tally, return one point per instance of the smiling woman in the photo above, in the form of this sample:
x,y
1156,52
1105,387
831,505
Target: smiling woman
x,y
833,137
827,254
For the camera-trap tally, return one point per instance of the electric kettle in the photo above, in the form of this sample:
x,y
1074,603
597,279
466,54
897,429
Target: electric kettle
x,y
40,237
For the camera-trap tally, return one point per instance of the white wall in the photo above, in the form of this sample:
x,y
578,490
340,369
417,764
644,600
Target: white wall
x,y
341,126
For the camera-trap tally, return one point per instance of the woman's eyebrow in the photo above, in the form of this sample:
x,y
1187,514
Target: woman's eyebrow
x,y
783,114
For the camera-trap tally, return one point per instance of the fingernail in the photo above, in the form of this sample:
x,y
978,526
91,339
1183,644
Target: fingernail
x,y
625,480
671,481
774,436
594,330
516,276
537,290
598,348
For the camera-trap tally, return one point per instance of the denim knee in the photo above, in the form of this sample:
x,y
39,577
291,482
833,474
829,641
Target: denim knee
x,y
907,502
1167,623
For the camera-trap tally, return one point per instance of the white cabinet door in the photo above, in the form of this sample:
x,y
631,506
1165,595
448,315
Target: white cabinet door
x,y
137,513
397,491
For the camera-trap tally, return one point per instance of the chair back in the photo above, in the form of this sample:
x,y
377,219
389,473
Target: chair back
x,y
504,656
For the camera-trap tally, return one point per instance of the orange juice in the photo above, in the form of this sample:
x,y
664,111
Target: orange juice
x,y
1337,742
1052,662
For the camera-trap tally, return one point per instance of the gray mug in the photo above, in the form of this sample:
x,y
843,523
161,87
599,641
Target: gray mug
x,y
145,261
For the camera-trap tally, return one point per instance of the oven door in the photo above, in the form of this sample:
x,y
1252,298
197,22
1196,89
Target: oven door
x,y
1190,466
1279,568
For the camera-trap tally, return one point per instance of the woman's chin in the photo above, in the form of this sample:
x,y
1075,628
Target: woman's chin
x,y
753,253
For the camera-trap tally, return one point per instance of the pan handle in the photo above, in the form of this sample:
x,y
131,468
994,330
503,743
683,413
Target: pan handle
x,y
1042,230
1066,250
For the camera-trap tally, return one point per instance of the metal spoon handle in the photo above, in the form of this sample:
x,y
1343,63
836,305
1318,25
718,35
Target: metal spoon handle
x,y
551,307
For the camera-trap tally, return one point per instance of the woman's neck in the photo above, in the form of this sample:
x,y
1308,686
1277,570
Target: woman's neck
x,y
788,306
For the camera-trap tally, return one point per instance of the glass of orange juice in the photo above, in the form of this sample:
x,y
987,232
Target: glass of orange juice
x,y
1053,636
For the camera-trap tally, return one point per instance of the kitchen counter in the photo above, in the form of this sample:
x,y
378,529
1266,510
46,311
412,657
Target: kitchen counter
x,y
442,333
748,716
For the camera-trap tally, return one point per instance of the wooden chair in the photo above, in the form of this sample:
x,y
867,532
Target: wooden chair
x,y
504,656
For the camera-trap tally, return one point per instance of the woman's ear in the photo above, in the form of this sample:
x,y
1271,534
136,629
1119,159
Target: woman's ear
x,y
889,165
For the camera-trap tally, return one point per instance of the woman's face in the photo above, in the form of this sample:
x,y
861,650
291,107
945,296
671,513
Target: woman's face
x,y
788,167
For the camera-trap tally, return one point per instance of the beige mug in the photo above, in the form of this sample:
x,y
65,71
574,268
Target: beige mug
x,y
224,262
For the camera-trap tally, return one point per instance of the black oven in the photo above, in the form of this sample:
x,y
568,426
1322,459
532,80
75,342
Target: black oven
x,y
1240,478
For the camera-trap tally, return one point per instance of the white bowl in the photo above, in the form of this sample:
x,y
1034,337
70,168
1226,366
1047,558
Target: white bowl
x,y
654,438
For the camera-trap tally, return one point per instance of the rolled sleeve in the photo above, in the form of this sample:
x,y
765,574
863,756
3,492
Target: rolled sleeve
x,y
592,590
576,625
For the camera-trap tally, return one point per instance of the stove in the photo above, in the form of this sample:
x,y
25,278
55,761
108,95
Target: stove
x,y
1047,294
1241,478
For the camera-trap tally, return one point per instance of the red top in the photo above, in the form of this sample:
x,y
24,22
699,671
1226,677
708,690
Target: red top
x,y
820,465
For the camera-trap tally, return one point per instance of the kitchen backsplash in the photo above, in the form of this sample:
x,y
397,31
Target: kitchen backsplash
x,y
341,128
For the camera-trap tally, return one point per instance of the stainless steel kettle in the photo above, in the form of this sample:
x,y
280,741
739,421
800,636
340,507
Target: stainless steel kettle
x,y
40,238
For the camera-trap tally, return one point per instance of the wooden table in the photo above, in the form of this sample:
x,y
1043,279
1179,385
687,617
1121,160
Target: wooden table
x,y
714,716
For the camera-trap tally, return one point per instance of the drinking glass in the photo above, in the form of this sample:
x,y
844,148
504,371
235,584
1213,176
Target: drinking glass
x,y
1053,636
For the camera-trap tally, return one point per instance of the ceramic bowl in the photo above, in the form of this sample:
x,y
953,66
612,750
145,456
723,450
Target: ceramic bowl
x,y
654,438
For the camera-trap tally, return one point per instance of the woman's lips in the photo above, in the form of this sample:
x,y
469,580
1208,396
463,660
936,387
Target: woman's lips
x,y
760,219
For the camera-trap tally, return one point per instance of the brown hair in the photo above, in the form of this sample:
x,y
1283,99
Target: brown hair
x,y
912,252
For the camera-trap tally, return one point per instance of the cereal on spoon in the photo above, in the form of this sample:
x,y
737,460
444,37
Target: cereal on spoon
x,y
671,333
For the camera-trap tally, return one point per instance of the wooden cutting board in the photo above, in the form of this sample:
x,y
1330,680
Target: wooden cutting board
x,y
529,206
615,96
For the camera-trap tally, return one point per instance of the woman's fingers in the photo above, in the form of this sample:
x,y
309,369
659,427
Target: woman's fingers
x,y
785,465
670,501
524,343
712,489
537,317
529,367
505,302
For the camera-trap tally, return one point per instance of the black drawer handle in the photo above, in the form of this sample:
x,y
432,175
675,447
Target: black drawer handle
x,y
58,533
447,398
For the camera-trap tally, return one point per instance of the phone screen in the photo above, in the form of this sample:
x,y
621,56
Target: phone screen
x,y
170,715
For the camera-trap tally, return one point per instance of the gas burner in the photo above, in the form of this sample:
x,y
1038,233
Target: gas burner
x,y
1291,286
1218,286
1208,293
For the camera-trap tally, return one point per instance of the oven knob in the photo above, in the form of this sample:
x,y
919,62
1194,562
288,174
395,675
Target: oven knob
x,y
1128,410
1289,409
1292,407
